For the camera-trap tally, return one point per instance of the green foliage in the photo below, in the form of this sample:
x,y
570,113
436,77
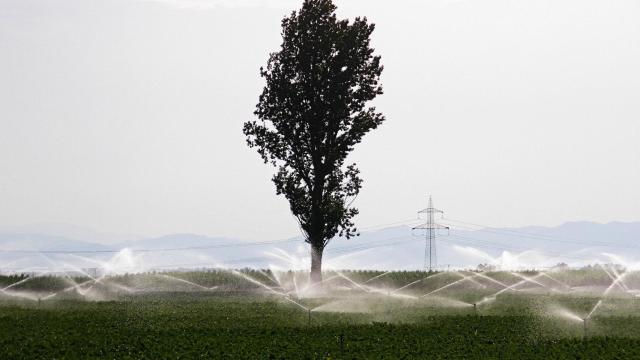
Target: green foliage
x,y
36,282
167,318
258,328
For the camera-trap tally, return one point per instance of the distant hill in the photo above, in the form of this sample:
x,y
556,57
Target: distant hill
x,y
465,245
68,231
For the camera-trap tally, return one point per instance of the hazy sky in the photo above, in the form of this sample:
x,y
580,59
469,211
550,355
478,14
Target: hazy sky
x,y
126,116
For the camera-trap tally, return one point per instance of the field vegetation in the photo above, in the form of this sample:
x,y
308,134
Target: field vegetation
x,y
358,314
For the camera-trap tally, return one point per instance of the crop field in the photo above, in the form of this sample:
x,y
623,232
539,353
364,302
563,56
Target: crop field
x,y
588,313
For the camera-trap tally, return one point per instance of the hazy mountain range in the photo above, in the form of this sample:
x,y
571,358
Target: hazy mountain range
x,y
55,247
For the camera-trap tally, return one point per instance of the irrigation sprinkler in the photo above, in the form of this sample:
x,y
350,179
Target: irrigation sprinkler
x,y
584,326
309,312
475,308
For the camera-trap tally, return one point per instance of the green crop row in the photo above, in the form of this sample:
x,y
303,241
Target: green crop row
x,y
258,328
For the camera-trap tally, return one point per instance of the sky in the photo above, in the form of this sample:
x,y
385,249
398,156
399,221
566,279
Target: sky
x,y
126,115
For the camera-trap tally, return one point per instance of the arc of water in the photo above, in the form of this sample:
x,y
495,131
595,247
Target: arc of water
x,y
425,278
24,280
556,281
363,288
17,283
377,277
295,284
65,264
285,296
15,294
510,287
371,289
269,277
78,287
73,287
313,285
73,281
613,277
252,280
406,286
451,302
20,295
449,285
276,276
529,279
471,278
391,294
75,268
187,282
569,315
50,296
594,309
283,282
122,287
297,303
492,280
614,283
93,282
606,292
618,275
105,266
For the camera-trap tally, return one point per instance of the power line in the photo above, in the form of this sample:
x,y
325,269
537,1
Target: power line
x,y
430,251
339,250
400,222
217,246
207,247
372,244
522,234
493,245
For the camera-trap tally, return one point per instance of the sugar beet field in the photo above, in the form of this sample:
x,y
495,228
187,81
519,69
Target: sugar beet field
x,y
586,313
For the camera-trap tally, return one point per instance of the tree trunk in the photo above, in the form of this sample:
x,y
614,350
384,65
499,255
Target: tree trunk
x,y
316,264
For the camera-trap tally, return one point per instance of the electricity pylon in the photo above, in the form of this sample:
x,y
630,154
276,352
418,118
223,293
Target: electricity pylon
x,y
430,258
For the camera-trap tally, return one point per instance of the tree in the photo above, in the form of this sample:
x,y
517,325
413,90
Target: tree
x,y
312,111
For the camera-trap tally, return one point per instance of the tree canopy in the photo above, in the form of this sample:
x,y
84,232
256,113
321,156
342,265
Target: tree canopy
x,y
312,111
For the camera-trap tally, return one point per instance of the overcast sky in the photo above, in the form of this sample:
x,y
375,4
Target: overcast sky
x,y
126,116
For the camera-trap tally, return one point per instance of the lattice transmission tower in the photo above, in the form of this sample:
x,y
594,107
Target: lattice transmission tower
x,y
431,227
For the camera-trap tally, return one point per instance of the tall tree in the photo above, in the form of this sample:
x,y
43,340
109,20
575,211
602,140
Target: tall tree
x,y
312,112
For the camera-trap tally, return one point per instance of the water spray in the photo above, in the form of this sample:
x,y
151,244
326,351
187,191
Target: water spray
x,y
448,285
